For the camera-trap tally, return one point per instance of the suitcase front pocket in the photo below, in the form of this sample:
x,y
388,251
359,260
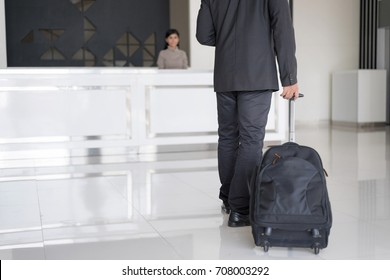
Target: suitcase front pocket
x,y
291,187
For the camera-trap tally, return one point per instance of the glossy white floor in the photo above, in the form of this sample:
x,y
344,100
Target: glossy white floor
x,y
166,206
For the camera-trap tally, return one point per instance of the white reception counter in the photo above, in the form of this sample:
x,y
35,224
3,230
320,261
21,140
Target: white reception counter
x,y
111,111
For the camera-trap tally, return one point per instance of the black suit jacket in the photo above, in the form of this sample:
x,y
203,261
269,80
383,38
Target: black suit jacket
x,y
248,35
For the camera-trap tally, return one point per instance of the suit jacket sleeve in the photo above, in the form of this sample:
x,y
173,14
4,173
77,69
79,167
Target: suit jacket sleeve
x,y
205,32
284,41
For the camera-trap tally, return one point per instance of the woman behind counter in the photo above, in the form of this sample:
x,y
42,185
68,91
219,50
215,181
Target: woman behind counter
x,y
172,57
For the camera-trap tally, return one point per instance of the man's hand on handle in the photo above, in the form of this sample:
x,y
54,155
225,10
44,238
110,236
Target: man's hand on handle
x,y
290,92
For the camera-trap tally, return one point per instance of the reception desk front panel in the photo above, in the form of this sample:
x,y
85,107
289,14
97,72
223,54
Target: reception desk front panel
x,y
112,110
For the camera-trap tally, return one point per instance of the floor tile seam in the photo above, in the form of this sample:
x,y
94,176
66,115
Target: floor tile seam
x,y
41,221
199,190
130,203
195,188
349,215
357,220
159,234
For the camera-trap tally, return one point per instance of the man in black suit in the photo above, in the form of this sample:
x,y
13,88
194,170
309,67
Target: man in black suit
x,y
248,35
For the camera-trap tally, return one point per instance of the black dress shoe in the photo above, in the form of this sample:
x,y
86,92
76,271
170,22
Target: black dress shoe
x,y
238,220
225,207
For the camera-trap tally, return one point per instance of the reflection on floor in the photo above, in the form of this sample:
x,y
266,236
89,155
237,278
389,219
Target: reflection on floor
x,y
166,206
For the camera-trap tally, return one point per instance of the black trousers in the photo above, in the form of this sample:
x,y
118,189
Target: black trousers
x,y
242,118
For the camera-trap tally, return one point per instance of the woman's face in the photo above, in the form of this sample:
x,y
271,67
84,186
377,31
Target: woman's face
x,y
172,40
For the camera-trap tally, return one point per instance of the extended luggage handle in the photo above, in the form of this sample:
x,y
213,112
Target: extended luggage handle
x,y
291,119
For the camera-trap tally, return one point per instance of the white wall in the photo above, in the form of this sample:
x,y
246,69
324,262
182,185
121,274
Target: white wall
x,y
327,35
3,51
202,57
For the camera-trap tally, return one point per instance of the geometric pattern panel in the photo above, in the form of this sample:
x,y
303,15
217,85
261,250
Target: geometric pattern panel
x,y
53,54
52,34
89,30
85,56
83,5
85,32
127,48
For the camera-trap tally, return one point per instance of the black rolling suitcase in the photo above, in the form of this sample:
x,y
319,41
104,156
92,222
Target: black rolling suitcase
x,y
289,204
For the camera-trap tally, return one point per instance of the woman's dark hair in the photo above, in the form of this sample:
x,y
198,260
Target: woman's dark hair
x,y
169,33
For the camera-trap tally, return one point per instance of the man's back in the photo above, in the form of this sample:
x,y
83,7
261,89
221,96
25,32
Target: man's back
x,y
246,34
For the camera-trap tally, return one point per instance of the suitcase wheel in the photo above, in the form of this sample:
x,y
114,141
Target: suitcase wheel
x,y
317,248
266,246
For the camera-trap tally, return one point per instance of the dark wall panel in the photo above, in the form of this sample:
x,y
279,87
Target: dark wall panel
x,y
368,34
85,32
384,12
